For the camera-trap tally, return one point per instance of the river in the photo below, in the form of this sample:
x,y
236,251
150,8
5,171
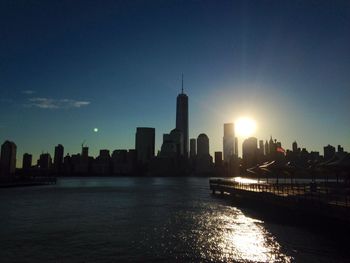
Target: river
x,y
146,219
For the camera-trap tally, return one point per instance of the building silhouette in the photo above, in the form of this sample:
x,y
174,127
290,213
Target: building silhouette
x,y
102,164
267,148
58,158
219,164
45,162
120,162
218,159
328,152
132,160
182,118
27,161
85,152
228,141
145,144
261,148
82,163
203,160
295,147
236,146
172,144
340,149
8,158
249,152
193,148
202,145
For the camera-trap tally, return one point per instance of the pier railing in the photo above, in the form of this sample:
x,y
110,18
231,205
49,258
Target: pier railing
x,y
326,193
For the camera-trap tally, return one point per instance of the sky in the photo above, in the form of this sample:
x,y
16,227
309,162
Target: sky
x,y
67,67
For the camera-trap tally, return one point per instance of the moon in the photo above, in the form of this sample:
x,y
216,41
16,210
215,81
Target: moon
x,y
95,129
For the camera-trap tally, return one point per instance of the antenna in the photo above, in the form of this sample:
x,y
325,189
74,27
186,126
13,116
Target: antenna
x,y
182,84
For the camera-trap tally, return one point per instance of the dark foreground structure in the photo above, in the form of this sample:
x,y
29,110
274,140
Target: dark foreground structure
x,y
318,201
29,181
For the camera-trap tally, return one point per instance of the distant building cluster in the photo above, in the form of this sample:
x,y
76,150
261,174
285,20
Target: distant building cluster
x,y
254,153
178,155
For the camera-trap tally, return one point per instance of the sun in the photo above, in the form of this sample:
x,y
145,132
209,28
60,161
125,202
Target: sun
x,y
245,127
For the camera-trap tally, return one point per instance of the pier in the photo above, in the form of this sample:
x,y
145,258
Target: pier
x,y
323,200
33,181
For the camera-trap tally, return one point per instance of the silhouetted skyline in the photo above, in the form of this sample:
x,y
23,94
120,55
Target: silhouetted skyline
x,y
69,67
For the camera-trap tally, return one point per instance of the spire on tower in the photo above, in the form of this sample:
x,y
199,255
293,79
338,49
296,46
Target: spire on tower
x,y
182,84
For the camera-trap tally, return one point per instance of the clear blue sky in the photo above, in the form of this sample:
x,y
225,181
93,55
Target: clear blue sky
x,y
67,67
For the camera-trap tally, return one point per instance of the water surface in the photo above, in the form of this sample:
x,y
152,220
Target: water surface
x,y
145,219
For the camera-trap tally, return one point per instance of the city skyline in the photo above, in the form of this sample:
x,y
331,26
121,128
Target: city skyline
x,y
93,73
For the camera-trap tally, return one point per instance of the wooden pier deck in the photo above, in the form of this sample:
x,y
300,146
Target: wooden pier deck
x,y
320,199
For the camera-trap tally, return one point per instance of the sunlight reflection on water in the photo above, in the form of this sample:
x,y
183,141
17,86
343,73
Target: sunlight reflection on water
x,y
225,237
245,239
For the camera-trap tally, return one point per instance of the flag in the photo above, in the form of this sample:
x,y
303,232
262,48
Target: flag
x,y
281,150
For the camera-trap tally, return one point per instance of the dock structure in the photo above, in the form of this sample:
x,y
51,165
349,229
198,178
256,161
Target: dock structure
x,y
33,181
326,199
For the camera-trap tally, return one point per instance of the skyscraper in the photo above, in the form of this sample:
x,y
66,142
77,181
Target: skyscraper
x,y
261,148
85,152
203,160
236,146
229,141
295,147
328,152
27,161
249,152
172,144
8,158
58,158
267,148
145,144
193,148
182,118
202,145
45,161
218,158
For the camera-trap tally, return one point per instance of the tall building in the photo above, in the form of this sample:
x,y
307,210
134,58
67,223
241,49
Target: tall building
x,y
193,148
172,144
120,162
340,149
8,158
218,158
249,152
85,152
27,161
261,147
58,158
236,146
328,152
45,161
272,147
267,148
229,141
182,118
145,144
295,147
82,163
202,145
203,160
102,164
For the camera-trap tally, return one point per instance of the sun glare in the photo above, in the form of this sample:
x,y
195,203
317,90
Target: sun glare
x,y
245,127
